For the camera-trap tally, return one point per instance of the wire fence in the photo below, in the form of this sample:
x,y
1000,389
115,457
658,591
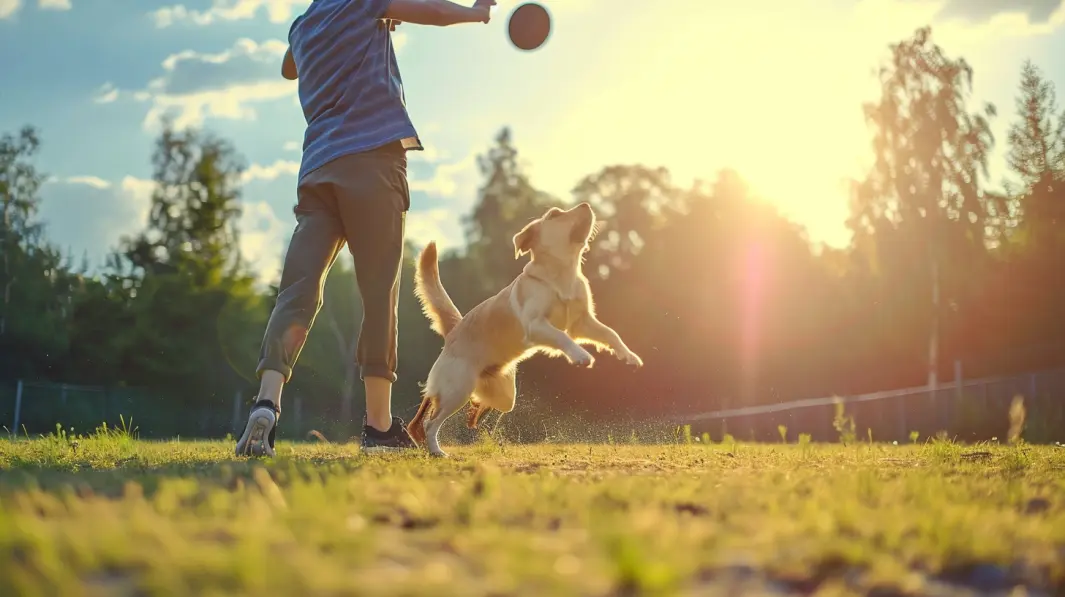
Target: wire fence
x,y
967,410
32,408
40,407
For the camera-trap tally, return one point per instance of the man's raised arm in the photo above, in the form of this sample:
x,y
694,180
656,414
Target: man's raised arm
x,y
438,13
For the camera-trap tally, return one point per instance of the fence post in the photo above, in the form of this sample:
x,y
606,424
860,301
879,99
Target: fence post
x,y
236,411
959,393
298,403
18,407
904,433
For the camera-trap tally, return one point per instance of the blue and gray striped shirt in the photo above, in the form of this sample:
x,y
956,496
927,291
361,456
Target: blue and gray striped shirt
x,y
349,82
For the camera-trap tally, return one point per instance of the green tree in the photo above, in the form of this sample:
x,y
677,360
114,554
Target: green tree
x,y
507,201
37,289
195,315
20,184
195,207
632,202
1037,156
920,217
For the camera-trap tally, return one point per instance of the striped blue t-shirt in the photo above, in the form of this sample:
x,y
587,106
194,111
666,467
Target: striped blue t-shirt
x,y
349,82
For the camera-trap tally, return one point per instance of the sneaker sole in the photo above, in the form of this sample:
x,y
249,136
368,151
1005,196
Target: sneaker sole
x,y
254,441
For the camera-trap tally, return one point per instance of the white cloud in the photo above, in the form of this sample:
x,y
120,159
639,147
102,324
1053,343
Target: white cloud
x,y
272,171
951,26
454,180
195,85
429,155
262,239
54,4
106,94
438,224
87,215
1036,11
1005,24
293,146
8,8
90,181
277,11
233,103
140,190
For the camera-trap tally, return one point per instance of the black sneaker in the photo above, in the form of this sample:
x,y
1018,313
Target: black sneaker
x,y
396,439
258,438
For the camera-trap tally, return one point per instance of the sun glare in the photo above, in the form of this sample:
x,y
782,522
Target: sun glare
x,y
776,95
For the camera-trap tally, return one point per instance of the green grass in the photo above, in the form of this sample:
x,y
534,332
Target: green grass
x,y
110,515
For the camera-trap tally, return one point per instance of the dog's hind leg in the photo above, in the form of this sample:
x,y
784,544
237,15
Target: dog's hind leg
x,y
452,388
447,405
474,412
416,427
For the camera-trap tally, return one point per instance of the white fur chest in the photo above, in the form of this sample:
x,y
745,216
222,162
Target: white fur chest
x,y
564,313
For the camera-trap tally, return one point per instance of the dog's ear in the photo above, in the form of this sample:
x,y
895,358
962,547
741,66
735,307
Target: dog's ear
x,y
523,241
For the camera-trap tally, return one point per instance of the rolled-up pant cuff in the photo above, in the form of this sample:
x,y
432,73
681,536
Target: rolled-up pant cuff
x,y
273,365
382,371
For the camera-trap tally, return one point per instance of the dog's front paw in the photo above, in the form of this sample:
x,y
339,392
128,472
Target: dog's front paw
x,y
631,358
582,359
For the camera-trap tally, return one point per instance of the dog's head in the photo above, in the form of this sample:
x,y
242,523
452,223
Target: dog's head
x,y
563,234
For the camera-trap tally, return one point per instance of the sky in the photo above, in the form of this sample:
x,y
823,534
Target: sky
x,y
772,88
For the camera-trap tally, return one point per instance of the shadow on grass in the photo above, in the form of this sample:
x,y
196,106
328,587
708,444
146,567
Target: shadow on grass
x,y
105,468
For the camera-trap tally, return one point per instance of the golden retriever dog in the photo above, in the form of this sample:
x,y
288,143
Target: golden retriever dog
x,y
548,308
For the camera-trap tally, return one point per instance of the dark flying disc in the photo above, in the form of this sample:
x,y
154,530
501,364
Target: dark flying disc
x,y
529,26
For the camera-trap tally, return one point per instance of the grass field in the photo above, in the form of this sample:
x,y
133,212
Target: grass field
x,y
110,515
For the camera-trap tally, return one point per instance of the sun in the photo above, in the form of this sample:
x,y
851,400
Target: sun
x,y
775,94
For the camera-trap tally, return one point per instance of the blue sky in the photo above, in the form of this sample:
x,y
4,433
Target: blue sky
x,y
772,88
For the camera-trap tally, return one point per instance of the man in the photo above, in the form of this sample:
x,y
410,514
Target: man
x,y
352,188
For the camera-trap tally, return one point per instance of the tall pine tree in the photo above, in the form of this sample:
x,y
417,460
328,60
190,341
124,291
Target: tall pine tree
x,y
1037,156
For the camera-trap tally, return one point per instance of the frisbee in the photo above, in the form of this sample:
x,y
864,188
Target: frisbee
x,y
529,26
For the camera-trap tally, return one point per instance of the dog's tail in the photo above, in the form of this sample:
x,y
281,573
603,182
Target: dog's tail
x,y
318,436
436,303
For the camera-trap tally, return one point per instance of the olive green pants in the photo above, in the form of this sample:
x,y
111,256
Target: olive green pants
x,y
362,200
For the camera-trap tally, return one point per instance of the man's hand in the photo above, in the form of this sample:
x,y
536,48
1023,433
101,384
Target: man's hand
x,y
486,7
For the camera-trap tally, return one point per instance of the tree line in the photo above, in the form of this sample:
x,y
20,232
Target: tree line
x,y
726,300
